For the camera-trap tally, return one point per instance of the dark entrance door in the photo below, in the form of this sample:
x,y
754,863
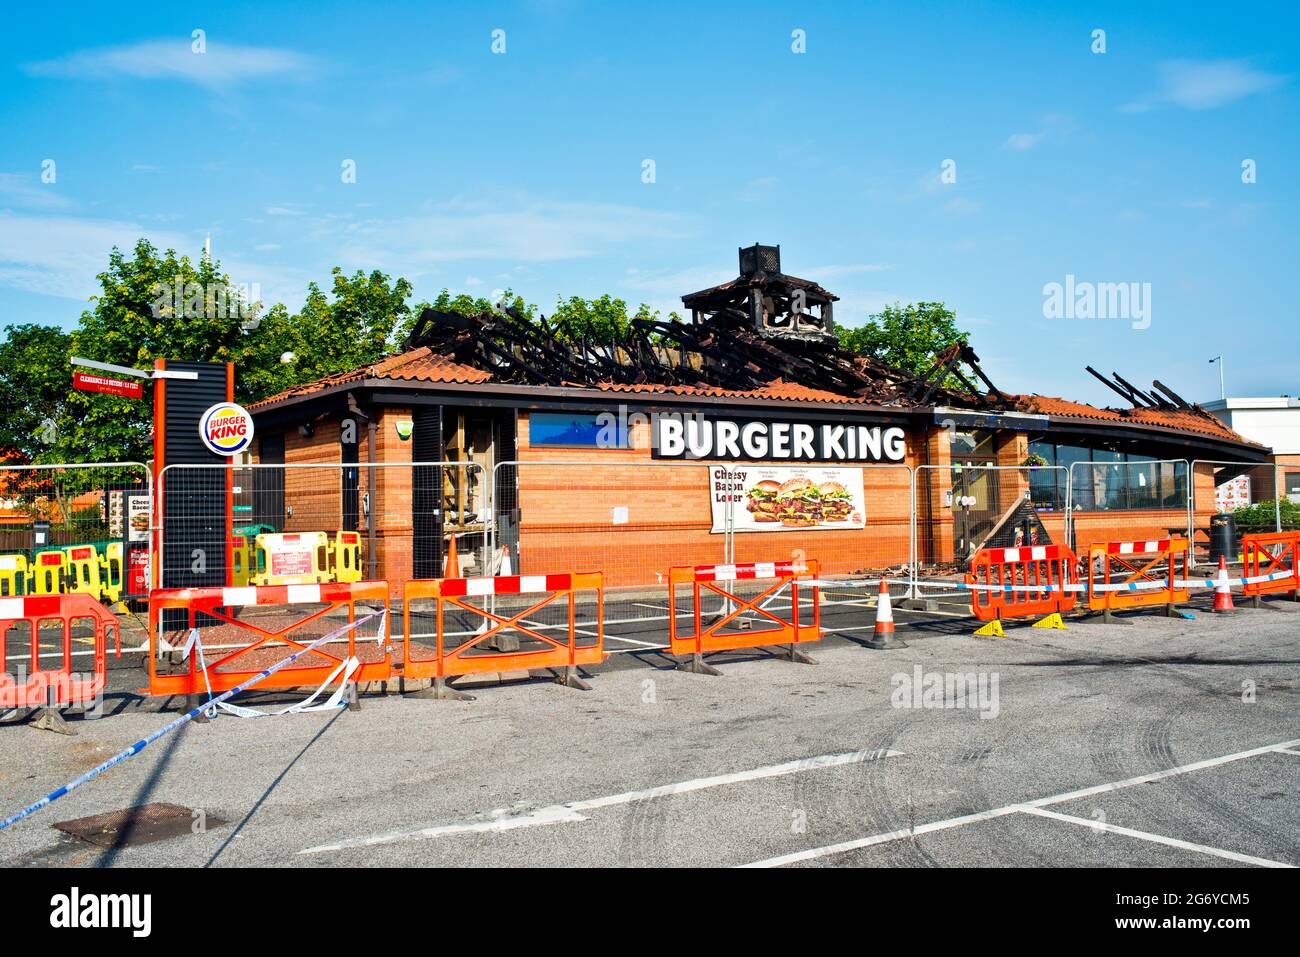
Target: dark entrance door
x,y
974,491
974,506
426,493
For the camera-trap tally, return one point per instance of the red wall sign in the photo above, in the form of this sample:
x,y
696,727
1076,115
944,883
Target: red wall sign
x,y
106,384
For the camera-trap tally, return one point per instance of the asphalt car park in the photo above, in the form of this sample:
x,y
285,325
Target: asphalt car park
x,y
1152,741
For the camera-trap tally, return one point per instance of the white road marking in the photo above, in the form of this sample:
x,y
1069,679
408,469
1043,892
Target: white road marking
x,y
828,850
844,846
1154,838
572,811
634,641
1287,751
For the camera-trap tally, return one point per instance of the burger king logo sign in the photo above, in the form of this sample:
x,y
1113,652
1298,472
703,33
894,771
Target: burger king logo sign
x,y
226,429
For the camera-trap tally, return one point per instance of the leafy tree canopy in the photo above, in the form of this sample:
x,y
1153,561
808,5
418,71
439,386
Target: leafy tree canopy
x,y
905,337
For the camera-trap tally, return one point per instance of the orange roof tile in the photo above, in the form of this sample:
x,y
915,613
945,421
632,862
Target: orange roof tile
x,y
1186,420
423,365
776,389
418,365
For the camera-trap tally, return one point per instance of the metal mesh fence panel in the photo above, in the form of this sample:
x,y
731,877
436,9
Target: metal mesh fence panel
x,y
632,521
855,521
1127,501
1252,492
960,509
76,528
306,523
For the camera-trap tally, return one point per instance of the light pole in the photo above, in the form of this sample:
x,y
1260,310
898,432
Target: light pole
x,y
1219,360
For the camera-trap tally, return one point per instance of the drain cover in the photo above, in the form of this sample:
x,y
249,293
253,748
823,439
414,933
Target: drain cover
x,y
139,825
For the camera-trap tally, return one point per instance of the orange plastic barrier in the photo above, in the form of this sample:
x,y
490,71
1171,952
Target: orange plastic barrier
x,y
67,683
1162,560
1271,553
261,638
560,649
994,569
804,623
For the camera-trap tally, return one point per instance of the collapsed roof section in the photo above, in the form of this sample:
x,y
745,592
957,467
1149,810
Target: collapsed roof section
x,y
720,351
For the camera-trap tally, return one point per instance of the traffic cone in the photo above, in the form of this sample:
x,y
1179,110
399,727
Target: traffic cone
x,y
1222,594
453,561
505,561
883,636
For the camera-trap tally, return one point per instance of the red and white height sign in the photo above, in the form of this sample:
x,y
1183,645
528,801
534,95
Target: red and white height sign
x,y
87,382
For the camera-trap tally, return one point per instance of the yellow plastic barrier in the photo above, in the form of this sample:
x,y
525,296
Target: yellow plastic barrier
x,y
346,563
50,573
240,553
83,571
13,575
292,558
111,568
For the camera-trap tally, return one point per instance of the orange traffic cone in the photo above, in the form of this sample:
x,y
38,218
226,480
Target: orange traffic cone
x,y
453,561
884,632
505,561
1222,594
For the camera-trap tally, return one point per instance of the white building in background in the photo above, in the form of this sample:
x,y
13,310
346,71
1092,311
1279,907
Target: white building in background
x,y
1273,421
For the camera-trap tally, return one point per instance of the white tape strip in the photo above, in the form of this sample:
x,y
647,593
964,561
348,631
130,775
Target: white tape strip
x,y
346,668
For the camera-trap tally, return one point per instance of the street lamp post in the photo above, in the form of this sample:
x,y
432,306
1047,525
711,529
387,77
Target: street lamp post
x,y
1219,360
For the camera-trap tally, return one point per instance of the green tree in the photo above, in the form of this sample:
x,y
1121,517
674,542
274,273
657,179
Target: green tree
x,y
904,337
34,379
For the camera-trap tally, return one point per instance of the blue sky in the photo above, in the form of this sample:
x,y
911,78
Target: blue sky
x,y
479,171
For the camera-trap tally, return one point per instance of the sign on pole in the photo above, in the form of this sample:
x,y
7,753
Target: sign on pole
x,y
107,385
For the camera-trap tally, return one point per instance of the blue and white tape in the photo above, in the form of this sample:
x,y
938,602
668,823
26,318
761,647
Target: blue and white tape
x,y
173,725
1069,587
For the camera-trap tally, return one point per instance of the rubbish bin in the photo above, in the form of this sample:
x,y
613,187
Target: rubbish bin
x,y
1223,537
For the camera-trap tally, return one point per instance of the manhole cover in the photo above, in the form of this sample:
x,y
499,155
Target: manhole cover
x,y
139,825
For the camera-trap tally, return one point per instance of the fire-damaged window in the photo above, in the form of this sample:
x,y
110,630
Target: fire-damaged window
x,y
576,430
1115,481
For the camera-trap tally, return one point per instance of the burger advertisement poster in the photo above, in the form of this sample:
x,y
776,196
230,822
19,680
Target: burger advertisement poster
x,y
787,498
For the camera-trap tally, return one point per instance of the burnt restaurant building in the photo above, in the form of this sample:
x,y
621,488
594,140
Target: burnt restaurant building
x,y
745,423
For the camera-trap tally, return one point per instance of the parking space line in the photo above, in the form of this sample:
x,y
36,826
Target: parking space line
x,y
1154,838
829,850
572,811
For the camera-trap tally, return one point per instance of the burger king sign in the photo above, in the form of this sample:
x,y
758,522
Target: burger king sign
x,y
226,429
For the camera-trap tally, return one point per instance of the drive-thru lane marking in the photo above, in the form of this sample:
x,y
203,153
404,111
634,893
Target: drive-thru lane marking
x,y
572,811
843,847
1153,838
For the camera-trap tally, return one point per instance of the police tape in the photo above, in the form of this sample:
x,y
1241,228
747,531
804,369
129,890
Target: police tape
x,y
1046,587
173,725
342,674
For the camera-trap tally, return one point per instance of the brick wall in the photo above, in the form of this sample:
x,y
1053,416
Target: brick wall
x,y
572,516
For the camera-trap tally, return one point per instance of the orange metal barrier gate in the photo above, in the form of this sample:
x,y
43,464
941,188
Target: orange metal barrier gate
x,y
470,657
1270,553
263,639
706,639
1003,581
61,685
1115,566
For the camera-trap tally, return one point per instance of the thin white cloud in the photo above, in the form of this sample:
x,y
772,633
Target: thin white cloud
x,y
220,65
533,232
1022,141
1205,84
61,256
828,273
27,192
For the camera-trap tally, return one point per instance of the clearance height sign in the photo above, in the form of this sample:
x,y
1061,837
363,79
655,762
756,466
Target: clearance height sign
x,y
773,498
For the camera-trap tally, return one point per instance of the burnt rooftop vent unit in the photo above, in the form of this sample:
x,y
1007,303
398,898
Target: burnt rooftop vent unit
x,y
769,302
764,259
